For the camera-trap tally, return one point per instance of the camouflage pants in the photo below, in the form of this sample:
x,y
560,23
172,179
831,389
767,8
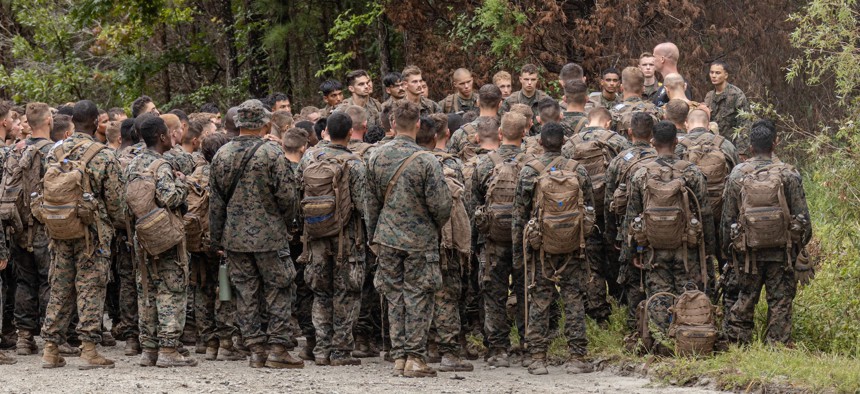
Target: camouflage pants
x,y
597,254
572,277
263,276
303,304
125,324
780,288
213,318
496,273
78,280
7,293
369,324
408,280
471,312
162,288
446,314
33,290
667,273
337,295
631,279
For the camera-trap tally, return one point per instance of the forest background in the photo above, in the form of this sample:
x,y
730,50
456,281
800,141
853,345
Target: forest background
x,y
798,61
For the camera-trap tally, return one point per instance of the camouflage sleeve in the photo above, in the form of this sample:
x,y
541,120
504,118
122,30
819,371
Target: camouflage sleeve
x,y
619,143
358,187
217,206
585,184
522,210
731,153
436,194
170,192
796,198
709,100
729,216
611,224
283,184
374,203
634,208
506,106
699,186
455,144
109,182
477,185
4,249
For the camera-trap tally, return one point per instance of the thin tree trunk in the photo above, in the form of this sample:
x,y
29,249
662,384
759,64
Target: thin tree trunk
x,y
232,66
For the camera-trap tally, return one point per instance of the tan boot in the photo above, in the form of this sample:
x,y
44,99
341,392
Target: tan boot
x,y
51,357
26,345
211,350
108,340
168,357
69,350
307,352
417,368
363,348
258,356
538,364
148,357
200,347
399,365
452,363
6,360
227,352
92,358
132,347
280,358
433,355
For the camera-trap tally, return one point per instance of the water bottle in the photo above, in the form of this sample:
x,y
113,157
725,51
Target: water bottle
x,y
225,293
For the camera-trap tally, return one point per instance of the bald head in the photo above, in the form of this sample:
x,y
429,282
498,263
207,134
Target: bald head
x,y
461,73
674,82
667,57
697,118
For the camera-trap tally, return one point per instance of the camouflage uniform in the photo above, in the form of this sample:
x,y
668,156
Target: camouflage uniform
x,y
541,290
597,100
519,97
574,121
456,104
162,280
406,228
337,284
31,266
303,296
650,92
666,270
373,108
5,275
769,267
464,137
600,252
499,266
251,229
622,113
429,107
629,277
725,108
181,160
79,271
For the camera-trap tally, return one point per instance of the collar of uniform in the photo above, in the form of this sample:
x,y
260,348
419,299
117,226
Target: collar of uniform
x,y
147,151
405,138
668,156
351,140
551,155
246,137
641,144
632,99
572,113
33,140
338,146
591,128
697,131
762,157
457,95
85,136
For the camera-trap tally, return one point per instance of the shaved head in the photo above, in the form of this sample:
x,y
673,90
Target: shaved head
x,y
673,81
697,118
667,50
461,73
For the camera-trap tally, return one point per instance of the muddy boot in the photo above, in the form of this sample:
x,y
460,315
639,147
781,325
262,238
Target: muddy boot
x,y
258,356
499,359
92,358
538,364
6,360
68,350
452,363
26,345
228,352
399,365
148,357
211,350
183,350
169,357
433,355
8,340
108,339
132,347
322,361
417,368
363,348
577,365
200,348
307,352
467,349
280,358
51,357
340,358
239,344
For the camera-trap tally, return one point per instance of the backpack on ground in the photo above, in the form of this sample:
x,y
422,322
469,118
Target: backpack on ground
x,y
327,202
157,229
494,218
651,335
457,233
693,323
22,176
196,219
764,218
595,155
67,205
706,154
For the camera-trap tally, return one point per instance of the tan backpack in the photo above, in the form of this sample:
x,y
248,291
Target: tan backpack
x,y
457,233
621,195
196,219
22,176
157,229
666,211
497,212
594,154
67,205
693,323
470,149
532,146
764,217
706,154
327,202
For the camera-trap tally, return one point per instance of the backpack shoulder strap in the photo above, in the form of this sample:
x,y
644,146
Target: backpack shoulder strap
x,y
718,141
580,124
536,164
496,158
153,167
397,174
91,152
235,182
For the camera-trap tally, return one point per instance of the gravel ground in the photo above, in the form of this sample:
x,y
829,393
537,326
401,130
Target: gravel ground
x,y
373,376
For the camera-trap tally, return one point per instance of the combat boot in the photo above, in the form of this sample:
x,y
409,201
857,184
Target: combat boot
x,y
227,352
26,345
538,364
6,360
132,347
169,357
399,365
183,350
433,355
453,363
280,358
258,356
340,358
363,348
108,339
68,350
92,358
148,357
200,347
498,359
416,368
577,365
211,350
51,356
307,352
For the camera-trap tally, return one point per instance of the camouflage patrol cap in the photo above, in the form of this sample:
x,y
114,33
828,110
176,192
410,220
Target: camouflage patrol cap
x,y
252,115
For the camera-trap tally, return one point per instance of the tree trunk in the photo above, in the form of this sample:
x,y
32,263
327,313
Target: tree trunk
x,y
226,16
384,48
166,71
258,85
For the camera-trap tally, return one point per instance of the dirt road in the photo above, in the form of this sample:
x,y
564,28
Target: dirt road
x,y
373,376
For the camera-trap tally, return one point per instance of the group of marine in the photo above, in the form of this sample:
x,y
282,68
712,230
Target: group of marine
x,y
404,226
